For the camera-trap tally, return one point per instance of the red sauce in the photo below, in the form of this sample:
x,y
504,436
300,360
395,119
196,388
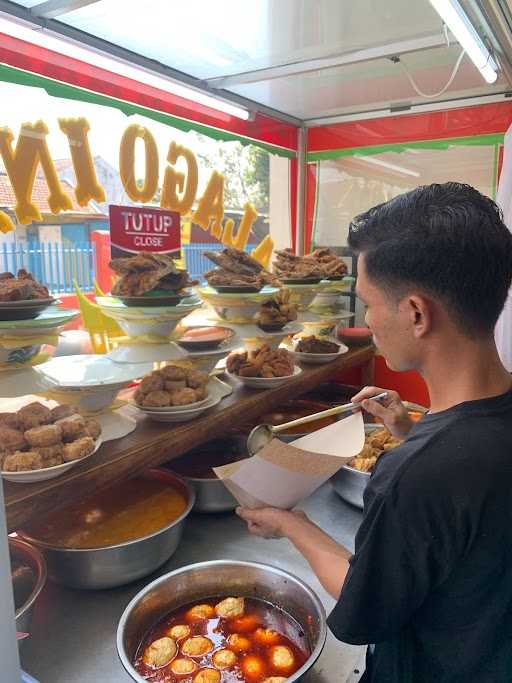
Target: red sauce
x,y
297,410
258,614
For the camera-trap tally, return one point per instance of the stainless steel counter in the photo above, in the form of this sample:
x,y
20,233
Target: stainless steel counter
x,y
73,632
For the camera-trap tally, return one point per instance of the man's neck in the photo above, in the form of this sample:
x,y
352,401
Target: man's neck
x,y
460,370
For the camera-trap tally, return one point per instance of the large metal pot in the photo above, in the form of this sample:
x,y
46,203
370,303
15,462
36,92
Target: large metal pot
x,y
119,564
350,484
220,578
30,556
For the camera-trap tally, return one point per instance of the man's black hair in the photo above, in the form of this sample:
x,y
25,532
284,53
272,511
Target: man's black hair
x,y
448,240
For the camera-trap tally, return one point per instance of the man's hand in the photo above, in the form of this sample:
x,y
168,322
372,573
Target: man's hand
x,y
390,410
269,522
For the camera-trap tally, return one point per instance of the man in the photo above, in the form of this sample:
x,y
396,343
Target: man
x,y
430,582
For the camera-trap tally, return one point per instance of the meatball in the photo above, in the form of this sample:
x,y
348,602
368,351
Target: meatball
x,y
157,399
238,643
230,608
200,612
10,420
224,659
60,412
266,636
172,373
179,632
183,666
160,652
197,646
281,658
72,427
207,676
34,415
196,378
46,435
253,667
51,455
12,439
93,428
183,397
22,462
153,382
78,449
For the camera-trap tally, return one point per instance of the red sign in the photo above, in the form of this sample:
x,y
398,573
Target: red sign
x,y
134,229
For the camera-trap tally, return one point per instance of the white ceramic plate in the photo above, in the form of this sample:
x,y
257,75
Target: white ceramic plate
x,y
32,476
147,353
265,382
320,358
117,309
51,317
89,370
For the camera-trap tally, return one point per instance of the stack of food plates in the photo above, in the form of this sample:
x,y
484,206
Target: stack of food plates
x,y
239,307
91,382
303,293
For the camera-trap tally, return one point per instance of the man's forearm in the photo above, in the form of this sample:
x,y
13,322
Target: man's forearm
x,y
328,559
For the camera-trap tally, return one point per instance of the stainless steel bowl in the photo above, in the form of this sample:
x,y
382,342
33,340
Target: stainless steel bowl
x,y
34,559
117,565
211,495
220,578
350,484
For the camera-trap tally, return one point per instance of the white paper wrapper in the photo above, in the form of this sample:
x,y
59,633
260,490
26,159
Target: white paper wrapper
x,y
281,475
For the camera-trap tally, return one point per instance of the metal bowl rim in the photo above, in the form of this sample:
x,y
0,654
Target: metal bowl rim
x,y
212,564
38,558
175,522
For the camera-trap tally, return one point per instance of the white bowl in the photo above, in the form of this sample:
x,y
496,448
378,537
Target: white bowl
x,y
320,358
20,354
32,476
303,295
265,382
235,308
270,339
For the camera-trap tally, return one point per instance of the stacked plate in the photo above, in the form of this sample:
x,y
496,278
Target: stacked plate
x,y
238,308
23,310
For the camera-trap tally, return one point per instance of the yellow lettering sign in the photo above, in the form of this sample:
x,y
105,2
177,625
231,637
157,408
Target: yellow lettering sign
x,y
6,224
263,251
210,209
87,185
244,229
174,181
127,164
21,165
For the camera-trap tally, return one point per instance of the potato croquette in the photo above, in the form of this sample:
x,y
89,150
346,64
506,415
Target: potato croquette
x,y
253,667
46,435
266,636
183,397
239,643
200,612
153,382
34,415
93,428
60,412
196,378
22,462
207,676
51,455
179,632
10,420
160,652
230,608
72,427
281,658
197,646
12,439
171,373
224,659
156,399
182,666
78,449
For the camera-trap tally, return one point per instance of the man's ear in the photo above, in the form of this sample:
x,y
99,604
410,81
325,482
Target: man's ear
x,y
421,314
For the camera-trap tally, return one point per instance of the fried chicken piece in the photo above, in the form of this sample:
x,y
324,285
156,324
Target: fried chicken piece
x,y
21,288
145,272
196,378
277,310
10,420
60,412
51,455
183,397
34,415
78,449
157,399
72,428
93,428
46,435
378,438
22,462
234,362
152,382
12,439
237,267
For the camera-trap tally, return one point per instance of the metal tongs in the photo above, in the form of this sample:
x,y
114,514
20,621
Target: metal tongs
x,y
262,434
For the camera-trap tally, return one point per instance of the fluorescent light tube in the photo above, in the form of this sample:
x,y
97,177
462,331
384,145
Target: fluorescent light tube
x,y
51,41
457,21
388,165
